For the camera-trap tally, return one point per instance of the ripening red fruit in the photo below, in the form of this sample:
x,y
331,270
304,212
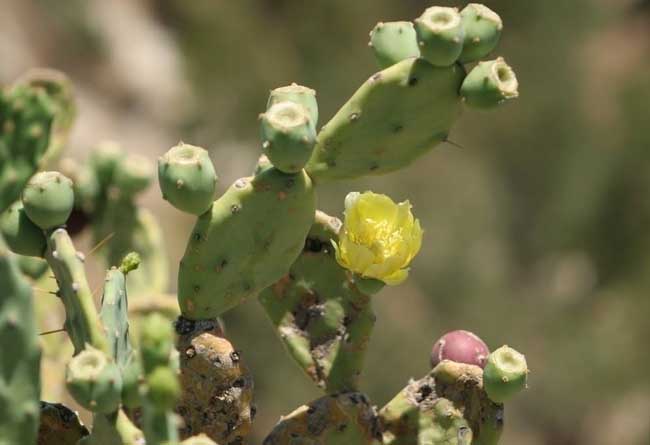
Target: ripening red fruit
x,y
462,347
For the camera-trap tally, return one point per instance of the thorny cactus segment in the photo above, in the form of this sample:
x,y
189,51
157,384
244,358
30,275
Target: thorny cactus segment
x,y
20,233
396,116
216,387
297,94
133,175
288,136
94,380
323,320
379,238
393,42
20,381
440,35
505,374
187,178
482,32
246,242
82,321
48,199
26,116
60,91
461,347
337,419
59,425
490,84
448,406
161,387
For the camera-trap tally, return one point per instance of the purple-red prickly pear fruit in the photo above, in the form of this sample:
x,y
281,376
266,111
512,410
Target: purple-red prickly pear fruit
x,y
462,347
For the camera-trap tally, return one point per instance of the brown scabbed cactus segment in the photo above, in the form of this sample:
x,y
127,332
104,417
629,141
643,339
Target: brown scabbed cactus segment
x,y
217,389
59,425
449,404
337,419
462,347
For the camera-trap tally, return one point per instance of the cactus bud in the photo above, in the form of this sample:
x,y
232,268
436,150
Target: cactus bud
x,y
440,35
461,347
297,94
489,84
133,174
288,136
187,178
94,381
48,199
393,42
482,32
21,234
505,374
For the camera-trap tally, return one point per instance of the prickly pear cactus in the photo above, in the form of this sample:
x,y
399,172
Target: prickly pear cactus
x,y
19,367
322,318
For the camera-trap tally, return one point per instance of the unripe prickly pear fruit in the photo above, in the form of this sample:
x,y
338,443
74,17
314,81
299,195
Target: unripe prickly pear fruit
x,y
482,32
32,267
505,374
288,136
21,234
94,381
440,35
461,347
393,42
489,84
187,178
104,160
133,174
163,388
297,94
156,342
48,199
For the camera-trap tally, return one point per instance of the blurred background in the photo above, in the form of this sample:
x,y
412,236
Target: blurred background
x,y
537,230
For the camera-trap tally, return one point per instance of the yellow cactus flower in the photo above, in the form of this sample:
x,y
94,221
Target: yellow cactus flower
x,y
379,238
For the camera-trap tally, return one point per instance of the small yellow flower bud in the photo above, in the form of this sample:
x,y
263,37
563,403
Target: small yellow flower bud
x,y
379,238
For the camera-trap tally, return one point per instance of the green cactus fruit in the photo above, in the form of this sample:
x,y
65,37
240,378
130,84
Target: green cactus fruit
x,y
489,84
104,160
482,32
201,439
505,374
48,199
82,321
396,116
288,136
440,35
20,233
297,94
156,342
345,418
32,267
133,175
323,320
94,380
216,386
59,90
59,425
393,42
448,406
187,178
248,240
163,388
20,381
26,116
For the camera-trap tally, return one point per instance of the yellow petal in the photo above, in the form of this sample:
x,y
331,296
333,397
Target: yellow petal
x,y
396,278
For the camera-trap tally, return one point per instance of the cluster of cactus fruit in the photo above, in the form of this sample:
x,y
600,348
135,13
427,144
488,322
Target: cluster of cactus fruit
x,y
316,276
